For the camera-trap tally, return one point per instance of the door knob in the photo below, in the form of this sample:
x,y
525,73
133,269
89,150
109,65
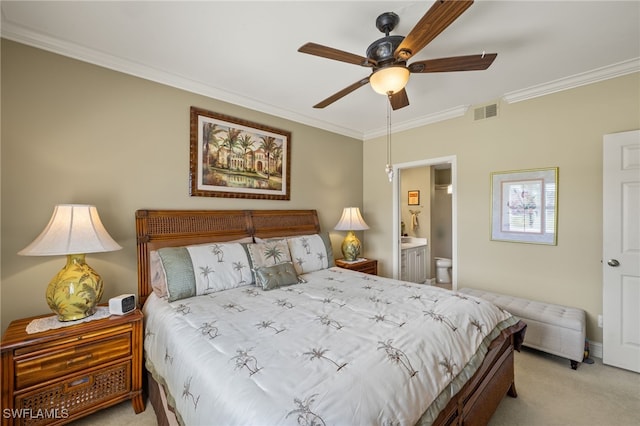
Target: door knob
x,y
613,262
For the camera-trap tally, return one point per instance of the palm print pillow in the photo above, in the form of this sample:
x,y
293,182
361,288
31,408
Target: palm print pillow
x,y
310,253
268,253
202,269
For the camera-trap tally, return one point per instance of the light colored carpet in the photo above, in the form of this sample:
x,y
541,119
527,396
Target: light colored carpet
x,y
119,415
549,393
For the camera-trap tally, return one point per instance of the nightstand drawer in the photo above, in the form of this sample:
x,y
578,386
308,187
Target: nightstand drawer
x,y
63,400
369,269
50,363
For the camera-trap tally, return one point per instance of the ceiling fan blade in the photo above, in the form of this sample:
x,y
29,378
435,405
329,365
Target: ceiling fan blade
x,y
335,54
344,92
399,100
437,19
455,63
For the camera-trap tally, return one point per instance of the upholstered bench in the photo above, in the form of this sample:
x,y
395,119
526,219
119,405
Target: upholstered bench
x,y
555,329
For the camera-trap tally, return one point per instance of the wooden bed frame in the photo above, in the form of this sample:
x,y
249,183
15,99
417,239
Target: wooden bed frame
x,y
474,404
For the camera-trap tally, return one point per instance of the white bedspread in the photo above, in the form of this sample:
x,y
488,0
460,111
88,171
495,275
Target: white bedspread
x,y
344,348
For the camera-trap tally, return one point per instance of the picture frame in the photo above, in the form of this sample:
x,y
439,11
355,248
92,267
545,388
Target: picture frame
x,y
413,198
524,206
236,158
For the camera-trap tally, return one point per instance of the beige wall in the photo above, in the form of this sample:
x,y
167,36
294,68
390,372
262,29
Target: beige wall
x,y
559,130
77,133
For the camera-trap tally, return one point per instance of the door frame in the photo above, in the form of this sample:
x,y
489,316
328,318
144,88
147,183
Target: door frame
x,y
397,170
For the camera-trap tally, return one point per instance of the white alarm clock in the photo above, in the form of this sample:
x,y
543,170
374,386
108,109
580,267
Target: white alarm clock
x,y
122,304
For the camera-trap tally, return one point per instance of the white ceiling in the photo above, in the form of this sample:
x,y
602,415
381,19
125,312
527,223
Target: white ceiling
x,y
246,52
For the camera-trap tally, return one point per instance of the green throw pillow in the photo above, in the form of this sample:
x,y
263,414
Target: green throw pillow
x,y
177,264
270,277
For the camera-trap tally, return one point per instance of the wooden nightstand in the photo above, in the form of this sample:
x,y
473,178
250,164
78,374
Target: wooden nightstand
x,y
368,266
58,375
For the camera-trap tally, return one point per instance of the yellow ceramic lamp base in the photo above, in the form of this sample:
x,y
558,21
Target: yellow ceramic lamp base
x,y
75,291
351,247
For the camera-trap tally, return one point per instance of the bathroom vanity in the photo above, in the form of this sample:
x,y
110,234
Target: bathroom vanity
x,y
413,259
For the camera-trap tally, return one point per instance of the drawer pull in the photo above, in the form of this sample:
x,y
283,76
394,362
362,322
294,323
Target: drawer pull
x,y
79,359
73,386
79,382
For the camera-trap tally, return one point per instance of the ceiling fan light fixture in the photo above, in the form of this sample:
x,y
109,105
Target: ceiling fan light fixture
x,y
389,80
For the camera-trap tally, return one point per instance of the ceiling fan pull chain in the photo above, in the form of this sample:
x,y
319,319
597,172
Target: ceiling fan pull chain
x,y
388,169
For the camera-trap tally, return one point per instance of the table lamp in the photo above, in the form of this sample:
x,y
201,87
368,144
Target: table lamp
x,y
351,220
73,230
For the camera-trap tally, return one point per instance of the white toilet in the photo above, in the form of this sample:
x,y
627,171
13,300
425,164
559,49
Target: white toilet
x,y
443,267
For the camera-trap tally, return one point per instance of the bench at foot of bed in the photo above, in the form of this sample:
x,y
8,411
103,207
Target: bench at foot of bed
x,y
555,329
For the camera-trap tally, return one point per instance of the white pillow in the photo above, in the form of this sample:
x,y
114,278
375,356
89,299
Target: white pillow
x,y
206,268
310,253
158,275
220,267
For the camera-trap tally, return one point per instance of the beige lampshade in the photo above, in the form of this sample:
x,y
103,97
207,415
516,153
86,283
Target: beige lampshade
x,y
72,229
351,220
389,79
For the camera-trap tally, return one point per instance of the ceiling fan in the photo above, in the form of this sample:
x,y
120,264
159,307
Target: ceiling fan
x,y
388,55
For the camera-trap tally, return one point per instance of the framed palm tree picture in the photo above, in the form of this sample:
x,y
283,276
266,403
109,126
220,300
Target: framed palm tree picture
x,y
236,158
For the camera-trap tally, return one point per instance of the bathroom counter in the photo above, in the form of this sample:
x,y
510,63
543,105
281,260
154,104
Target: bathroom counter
x,y
412,242
405,246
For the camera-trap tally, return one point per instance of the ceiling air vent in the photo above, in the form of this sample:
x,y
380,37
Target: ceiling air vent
x,y
486,111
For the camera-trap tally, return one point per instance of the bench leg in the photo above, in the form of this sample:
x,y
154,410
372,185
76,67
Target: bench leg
x,y
512,390
574,365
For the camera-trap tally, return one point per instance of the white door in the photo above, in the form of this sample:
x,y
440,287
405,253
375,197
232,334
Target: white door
x,y
621,250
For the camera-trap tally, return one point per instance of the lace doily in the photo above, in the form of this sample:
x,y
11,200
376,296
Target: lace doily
x,y
43,324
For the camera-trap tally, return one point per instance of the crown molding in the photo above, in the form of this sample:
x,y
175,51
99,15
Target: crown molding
x,y
23,35
75,51
599,74
448,114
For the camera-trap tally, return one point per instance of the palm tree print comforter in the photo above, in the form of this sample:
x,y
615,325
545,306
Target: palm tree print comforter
x,y
343,348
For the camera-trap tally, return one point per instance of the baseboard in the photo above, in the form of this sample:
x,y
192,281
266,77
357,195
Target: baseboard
x,y
595,349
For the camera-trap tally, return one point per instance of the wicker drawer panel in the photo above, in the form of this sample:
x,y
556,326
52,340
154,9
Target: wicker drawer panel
x,y
46,365
76,394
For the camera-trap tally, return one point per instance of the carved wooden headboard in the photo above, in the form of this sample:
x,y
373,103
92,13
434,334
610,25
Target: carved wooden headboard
x,y
172,228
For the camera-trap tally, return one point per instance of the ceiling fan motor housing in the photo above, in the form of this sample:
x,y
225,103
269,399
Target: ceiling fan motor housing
x,y
381,51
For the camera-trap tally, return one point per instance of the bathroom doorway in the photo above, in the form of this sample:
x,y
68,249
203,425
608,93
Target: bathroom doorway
x,y
423,192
